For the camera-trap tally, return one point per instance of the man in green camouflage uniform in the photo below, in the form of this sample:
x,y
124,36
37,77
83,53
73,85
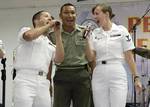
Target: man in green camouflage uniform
x,y
72,81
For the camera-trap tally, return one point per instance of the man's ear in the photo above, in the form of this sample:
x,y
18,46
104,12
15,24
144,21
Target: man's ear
x,y
107,13
37,21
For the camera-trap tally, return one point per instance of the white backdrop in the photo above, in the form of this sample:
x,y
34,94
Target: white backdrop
x,y
11,20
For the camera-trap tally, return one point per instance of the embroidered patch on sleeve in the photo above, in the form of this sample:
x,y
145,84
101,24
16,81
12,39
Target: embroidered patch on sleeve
x,y
128,38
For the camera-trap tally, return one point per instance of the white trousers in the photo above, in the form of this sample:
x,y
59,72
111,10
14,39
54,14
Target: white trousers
x,y
109,84
31,91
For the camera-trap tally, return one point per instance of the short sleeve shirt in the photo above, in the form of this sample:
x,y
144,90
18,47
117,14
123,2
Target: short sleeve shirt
x,y
35,54
74,47
111,44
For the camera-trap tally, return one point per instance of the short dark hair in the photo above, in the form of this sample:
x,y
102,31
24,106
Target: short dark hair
x,y
37,16
52,17
105,8
66,4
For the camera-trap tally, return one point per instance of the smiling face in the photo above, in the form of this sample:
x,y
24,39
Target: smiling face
x,y
103,14
68,16
41,18
45,18
99,15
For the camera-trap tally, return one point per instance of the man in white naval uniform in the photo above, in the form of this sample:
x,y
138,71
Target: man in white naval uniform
x,y
33,57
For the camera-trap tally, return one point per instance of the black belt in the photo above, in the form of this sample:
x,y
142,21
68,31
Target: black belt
x,y
32,72
104,62
72,67
110,61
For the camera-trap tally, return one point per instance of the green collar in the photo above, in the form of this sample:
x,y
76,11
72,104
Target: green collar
x,y
78,28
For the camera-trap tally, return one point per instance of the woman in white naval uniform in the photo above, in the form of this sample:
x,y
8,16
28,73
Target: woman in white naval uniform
x,y
112,46
33,56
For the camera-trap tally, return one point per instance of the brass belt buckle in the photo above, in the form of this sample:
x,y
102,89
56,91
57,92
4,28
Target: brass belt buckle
x,y
40,73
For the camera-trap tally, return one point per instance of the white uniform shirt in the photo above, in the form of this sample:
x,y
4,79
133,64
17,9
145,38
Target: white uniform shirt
x,y
35,54
111,44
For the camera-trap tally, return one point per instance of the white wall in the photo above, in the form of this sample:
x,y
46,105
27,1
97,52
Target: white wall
x,y
5,4
11,20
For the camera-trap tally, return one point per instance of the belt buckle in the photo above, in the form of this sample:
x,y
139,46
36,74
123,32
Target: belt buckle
x,y
104,62
40,73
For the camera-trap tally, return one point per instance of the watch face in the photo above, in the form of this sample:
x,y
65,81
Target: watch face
x,y
92,22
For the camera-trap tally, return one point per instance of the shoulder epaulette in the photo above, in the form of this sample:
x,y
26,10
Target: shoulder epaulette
x,y
50,33
82,27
